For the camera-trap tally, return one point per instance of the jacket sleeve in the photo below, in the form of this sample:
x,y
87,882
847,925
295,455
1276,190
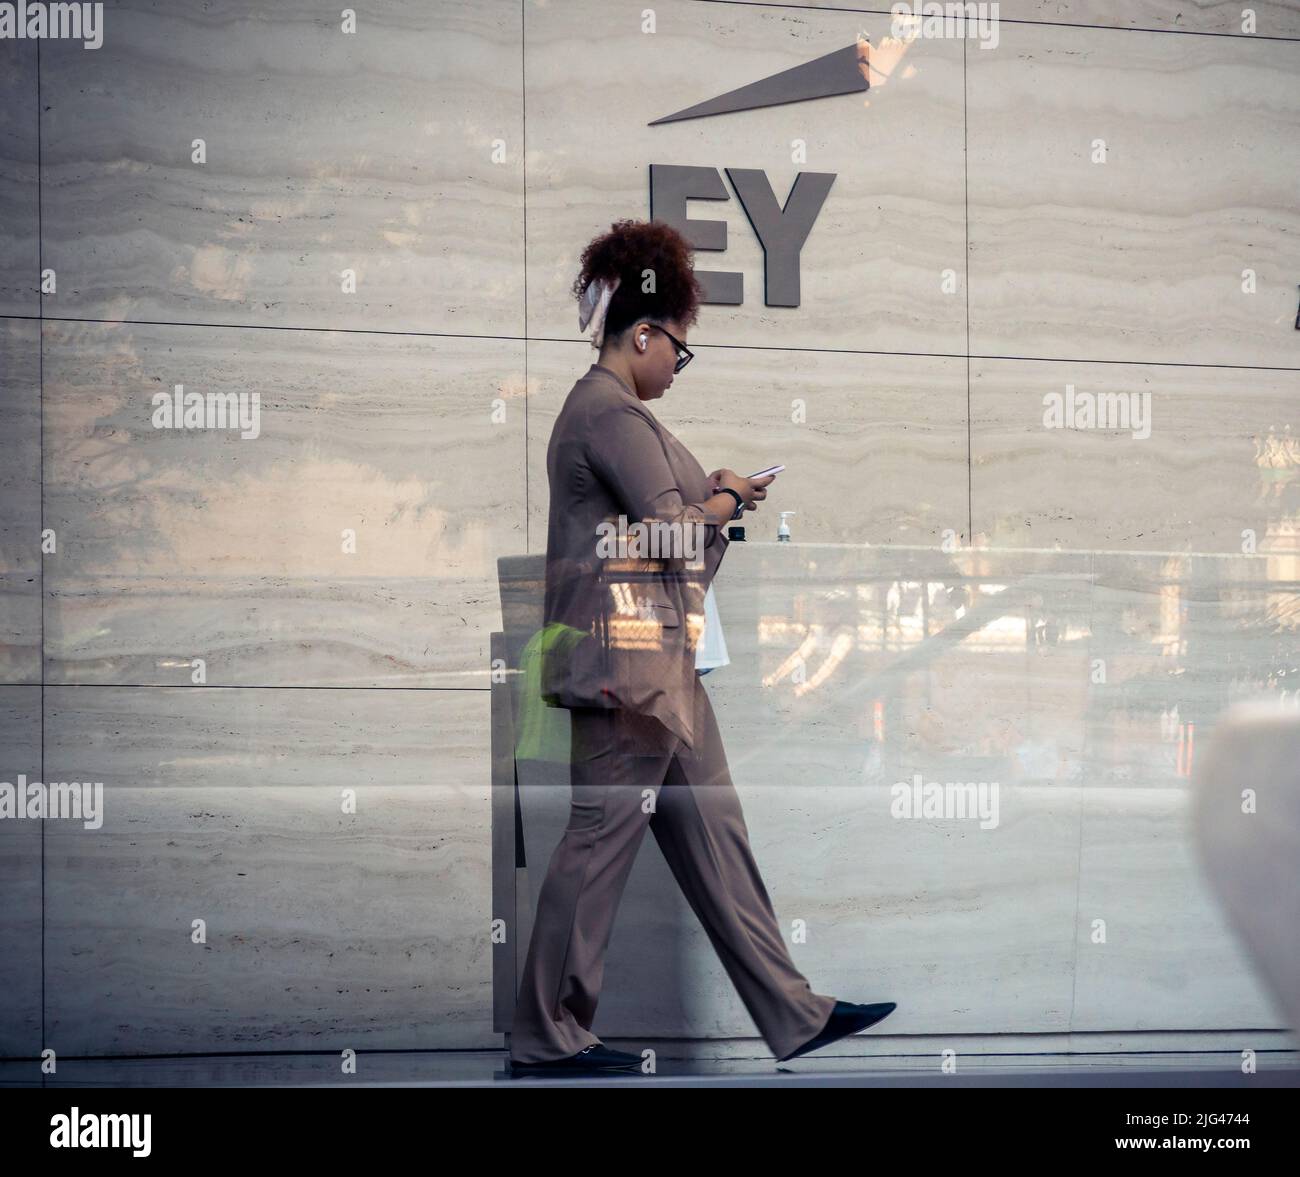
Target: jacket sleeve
x,y
628,456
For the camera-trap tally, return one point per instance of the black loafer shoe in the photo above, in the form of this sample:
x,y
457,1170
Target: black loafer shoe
x,y
596,1057
846,1018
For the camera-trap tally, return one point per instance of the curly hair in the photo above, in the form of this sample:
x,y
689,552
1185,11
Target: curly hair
x,y
627,251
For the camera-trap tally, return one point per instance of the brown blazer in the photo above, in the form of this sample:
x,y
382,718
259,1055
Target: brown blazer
x,y
621,631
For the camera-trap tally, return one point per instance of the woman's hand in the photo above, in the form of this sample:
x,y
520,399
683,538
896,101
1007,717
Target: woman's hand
x,y
752,491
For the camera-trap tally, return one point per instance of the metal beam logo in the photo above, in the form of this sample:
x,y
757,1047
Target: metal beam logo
x,y
780,228
844,71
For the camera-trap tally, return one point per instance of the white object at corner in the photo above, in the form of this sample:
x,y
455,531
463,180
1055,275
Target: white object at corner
x,y
712,649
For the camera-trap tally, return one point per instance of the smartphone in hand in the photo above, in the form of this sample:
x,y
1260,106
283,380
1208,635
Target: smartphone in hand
x,y
769,470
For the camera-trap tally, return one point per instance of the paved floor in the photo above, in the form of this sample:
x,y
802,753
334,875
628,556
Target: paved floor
x,y
470,1068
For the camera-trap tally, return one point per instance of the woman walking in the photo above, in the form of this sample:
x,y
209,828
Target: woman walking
x,y
622,624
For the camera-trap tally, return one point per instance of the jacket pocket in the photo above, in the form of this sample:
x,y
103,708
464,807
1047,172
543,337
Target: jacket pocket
x,y
665,614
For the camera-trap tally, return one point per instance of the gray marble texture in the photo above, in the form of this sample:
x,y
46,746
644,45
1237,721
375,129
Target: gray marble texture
x,y
20,501
326,151
20,879
19,189
1140,257
325,929
183,544
1274,18
458,156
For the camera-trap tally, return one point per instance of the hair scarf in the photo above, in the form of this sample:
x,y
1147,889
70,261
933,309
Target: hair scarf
x,y
594,305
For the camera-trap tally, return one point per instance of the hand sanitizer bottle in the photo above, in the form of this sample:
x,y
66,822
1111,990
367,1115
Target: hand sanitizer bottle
x,y
783,532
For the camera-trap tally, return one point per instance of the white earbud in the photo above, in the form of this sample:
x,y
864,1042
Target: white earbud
x,y
643,338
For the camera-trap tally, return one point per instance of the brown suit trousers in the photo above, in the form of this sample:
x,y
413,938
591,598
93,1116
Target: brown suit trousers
x,y
617,758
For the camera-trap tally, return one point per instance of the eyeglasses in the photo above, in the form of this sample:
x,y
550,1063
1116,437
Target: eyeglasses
x,y
684,353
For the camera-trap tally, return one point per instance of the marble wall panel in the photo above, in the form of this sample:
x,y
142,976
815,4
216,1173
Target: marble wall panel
x,y
21,862
20,501
1274,18
394,152
1206,456
1143,256
202,543
19,185
324,929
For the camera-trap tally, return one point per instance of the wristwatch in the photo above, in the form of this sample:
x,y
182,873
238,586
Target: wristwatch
x,y
740,503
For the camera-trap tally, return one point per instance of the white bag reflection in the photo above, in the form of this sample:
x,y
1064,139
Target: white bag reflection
x,y
711,652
